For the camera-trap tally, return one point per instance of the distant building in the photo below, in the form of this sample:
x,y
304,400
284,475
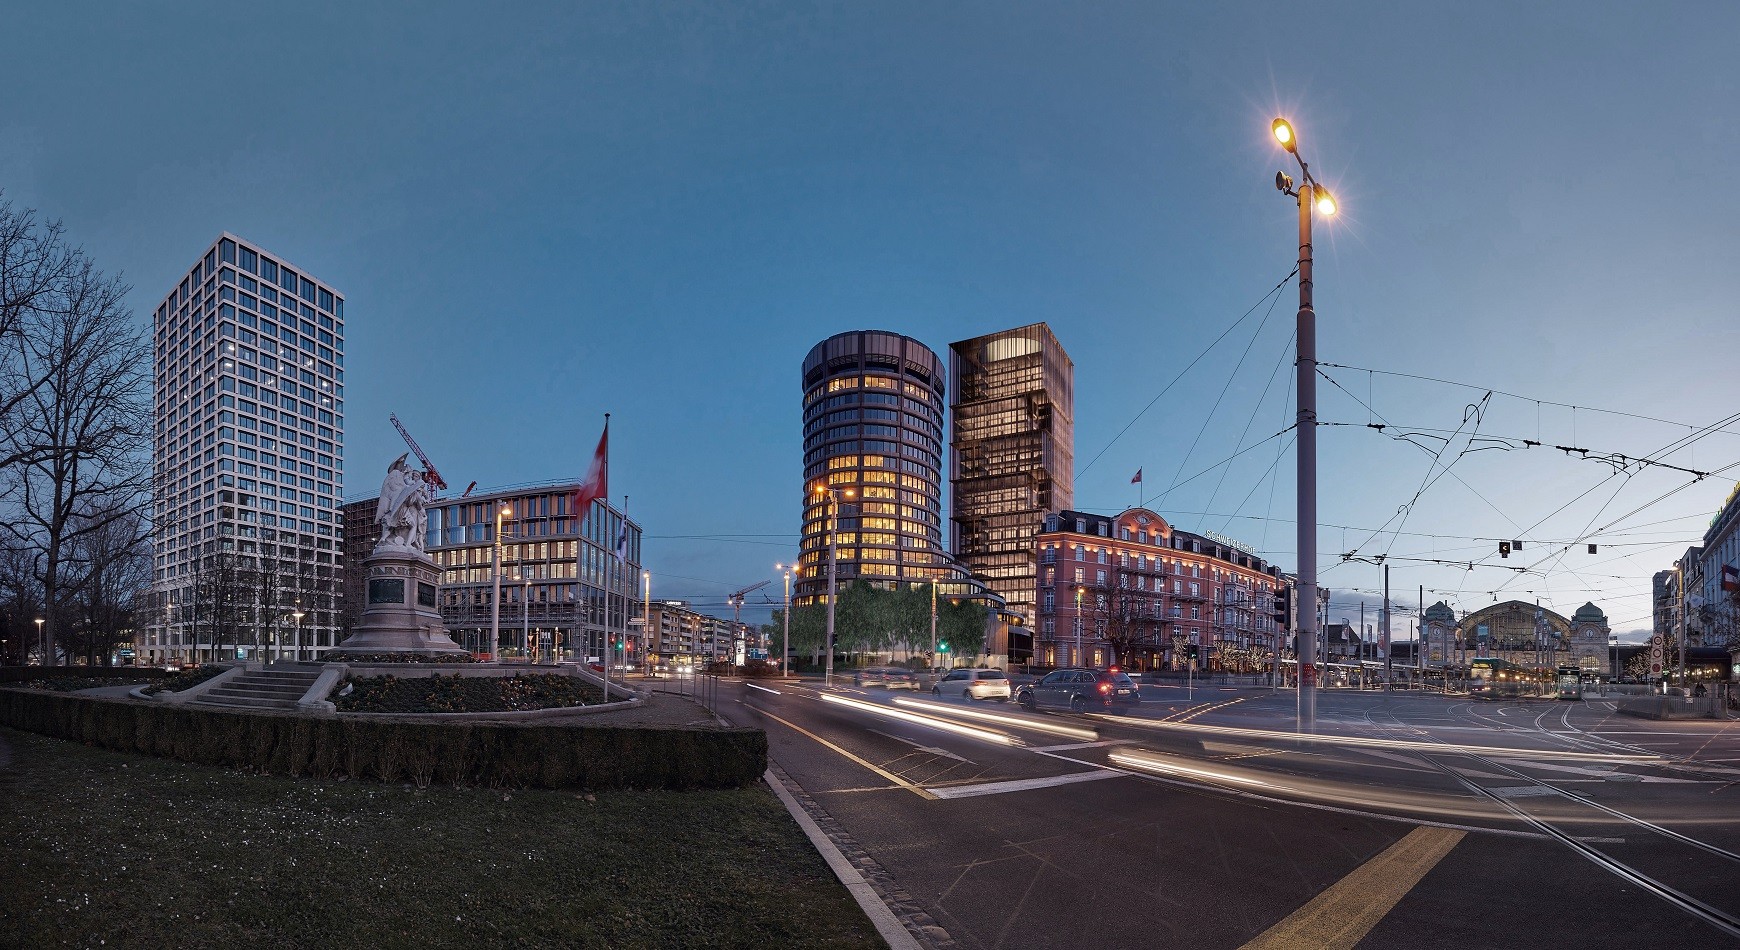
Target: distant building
x,y
248,460
360,535
561,580
1148,593
1011,456
1718,578
679,632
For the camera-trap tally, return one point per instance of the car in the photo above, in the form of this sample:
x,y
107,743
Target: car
x,y
891,677
973,684
1081,690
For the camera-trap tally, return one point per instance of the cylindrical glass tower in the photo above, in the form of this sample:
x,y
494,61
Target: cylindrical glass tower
x,y
873,426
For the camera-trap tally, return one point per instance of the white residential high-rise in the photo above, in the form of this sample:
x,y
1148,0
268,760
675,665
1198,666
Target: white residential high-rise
x,y
249,461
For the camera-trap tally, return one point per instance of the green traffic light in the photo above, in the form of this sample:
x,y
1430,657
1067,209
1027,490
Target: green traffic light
x,y
942,647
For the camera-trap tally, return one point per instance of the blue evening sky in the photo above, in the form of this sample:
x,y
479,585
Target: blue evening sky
x,y
543,212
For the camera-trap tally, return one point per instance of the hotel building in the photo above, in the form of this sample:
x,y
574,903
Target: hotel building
x,y
248,459
1132,590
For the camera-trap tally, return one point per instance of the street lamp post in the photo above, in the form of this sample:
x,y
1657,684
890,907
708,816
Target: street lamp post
x,y
495,601
933,621
525,612
297,616
646,639
1077,657
1310,195
833,571
785,645
41,657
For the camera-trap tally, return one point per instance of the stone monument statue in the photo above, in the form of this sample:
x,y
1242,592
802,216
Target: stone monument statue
x,y
400,614
400,514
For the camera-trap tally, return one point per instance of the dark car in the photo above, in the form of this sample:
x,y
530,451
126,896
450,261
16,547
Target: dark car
x,y
1081,690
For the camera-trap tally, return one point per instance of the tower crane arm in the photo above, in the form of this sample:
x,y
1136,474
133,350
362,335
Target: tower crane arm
x,y
434,478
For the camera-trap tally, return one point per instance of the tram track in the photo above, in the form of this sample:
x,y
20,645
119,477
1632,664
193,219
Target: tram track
x,y
1726,922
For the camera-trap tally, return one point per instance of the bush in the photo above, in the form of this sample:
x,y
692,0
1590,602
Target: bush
x,y
759,668
72,684
536,755
448,694
19,674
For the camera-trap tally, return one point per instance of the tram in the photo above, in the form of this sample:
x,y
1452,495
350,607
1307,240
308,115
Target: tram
x,y
1570,682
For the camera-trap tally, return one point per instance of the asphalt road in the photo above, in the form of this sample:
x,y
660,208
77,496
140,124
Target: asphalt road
x,y
1419,821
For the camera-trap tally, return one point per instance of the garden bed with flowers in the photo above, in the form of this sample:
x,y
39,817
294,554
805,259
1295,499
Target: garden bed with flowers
x,y
462,694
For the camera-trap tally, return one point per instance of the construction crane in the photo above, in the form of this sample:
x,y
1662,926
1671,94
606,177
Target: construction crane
x,y
736,599
436,482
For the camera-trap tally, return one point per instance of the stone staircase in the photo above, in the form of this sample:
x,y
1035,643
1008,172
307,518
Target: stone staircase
x,y
276,687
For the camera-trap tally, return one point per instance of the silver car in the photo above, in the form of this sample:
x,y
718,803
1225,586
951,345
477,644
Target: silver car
x,y
973,684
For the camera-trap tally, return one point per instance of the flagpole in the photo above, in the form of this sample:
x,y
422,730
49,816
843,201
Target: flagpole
x,y
622,565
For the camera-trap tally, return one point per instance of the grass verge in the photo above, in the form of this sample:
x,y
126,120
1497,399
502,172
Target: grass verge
x,y
118,850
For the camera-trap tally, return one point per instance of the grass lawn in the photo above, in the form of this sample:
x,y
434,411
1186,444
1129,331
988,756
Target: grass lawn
x,y
106,849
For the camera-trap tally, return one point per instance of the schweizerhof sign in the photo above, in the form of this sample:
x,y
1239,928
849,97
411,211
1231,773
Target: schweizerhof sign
x,y
1229,542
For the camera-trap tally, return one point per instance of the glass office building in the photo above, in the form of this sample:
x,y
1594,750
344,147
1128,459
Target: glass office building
x,y
563,587
248,459
1011,455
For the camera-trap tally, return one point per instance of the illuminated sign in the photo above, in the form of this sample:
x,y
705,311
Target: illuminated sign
x,y
1229,542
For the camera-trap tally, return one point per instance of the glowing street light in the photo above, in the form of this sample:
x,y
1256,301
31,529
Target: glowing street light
x,y
1310,196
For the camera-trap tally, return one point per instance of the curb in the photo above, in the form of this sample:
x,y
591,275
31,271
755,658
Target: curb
x,y
898,937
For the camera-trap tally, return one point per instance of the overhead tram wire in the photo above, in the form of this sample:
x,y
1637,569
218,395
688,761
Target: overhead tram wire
x,y
1511,395
1674,446
1168,387
1262,398
1209,416
1525,534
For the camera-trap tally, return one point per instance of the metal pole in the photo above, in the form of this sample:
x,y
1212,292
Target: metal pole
x,y
1305,369
525,614
495,601
1077,628
833,565
646,621
1680,568
785,646
1389,645
933,621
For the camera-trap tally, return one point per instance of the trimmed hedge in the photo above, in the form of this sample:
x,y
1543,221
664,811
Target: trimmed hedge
x,y
510,755
18,674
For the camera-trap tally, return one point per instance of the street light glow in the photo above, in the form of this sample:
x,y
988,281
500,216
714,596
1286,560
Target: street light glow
x,y
1325,203
1284,134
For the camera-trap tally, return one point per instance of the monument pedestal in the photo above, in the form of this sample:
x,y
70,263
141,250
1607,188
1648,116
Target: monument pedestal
x,y
399,610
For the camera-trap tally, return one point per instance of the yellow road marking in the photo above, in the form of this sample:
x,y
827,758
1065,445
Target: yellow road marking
x,y
903,783
1341,916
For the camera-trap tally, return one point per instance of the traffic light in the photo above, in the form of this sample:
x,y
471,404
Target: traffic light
x,y
943,647
1282,607
1504,549
1190,653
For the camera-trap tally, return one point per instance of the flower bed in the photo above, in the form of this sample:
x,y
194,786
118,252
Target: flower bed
x,y
186,679
458,694
72,684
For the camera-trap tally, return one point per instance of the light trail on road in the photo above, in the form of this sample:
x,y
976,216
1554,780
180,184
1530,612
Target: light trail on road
x,y
1057,729
877,709
1406,745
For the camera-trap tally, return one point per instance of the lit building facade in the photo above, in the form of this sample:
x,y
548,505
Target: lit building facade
x,y
248,459
562,585
1715,579
1149,593
1011,455
873,429
678,632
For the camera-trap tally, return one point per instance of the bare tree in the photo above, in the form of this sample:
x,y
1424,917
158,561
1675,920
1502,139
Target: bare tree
x,y
35,265
113,595
79,438
1124,615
